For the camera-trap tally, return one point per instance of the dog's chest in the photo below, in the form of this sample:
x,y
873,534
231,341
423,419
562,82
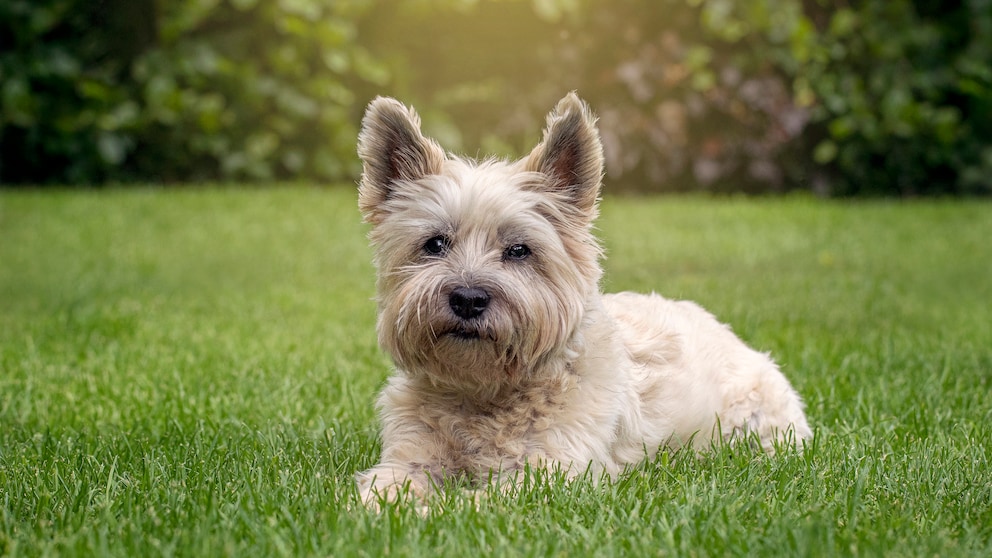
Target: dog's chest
x,y
504,433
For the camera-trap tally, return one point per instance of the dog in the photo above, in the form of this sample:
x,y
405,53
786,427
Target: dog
x,y
507,353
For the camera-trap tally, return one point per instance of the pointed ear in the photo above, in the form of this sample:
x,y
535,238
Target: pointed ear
x,y
393,151
571,153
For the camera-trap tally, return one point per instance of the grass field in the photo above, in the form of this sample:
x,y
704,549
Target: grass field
x,y
191,373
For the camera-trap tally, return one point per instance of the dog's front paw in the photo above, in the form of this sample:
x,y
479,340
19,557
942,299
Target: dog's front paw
x,y
385,483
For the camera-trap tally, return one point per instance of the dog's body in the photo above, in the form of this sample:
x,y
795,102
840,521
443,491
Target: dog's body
x,y
507,353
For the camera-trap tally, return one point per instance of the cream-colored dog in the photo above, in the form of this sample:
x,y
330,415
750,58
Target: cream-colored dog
x,y
506,351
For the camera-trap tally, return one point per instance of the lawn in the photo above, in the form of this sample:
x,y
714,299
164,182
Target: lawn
x,y
191,372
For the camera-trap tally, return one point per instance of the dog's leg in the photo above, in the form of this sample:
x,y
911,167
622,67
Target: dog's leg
x,y
389,482
772,410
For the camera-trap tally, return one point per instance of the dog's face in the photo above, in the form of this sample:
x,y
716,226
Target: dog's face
x,y
484,269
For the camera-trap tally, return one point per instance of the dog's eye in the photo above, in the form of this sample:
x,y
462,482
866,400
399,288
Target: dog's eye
x,y
516,252
437,245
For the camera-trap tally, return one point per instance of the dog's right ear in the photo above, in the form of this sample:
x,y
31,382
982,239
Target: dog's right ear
x,y
393,151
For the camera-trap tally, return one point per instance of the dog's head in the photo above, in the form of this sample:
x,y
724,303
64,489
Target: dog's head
x,y
485,268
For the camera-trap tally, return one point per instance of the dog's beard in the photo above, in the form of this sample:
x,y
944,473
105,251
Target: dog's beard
x,y
523,327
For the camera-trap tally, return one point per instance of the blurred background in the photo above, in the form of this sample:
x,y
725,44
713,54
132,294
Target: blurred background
x,y
841,98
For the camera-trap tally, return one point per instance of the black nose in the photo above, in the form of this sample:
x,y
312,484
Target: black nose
x,y
468,302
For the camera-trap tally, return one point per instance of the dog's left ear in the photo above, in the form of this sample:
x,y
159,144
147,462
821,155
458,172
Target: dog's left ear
x,y
571,153
393,152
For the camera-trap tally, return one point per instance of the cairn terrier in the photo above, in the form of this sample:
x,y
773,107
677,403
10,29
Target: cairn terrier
x,y
506,351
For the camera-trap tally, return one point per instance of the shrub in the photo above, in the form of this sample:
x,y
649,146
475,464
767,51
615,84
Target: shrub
x,y
903,95
58,93
847,98
180,90
685,96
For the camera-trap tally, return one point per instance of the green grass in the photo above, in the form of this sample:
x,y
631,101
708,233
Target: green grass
x,y
191,373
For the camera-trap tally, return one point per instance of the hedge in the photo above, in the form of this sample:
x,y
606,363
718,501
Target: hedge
x,y
878,97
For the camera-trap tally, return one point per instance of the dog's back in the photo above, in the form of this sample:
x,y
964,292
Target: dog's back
x,y
696,379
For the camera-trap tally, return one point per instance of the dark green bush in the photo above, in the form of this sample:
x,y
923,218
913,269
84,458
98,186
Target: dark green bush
x,y
58,88
903,93
877,97
181,90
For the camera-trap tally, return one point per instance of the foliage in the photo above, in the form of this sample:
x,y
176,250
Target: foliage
x,y
694,99
871,98
904,90
199,89
681,104
55,92
866,97
192,372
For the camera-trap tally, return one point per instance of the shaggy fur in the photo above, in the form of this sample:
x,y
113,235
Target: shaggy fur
x,y
506,351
